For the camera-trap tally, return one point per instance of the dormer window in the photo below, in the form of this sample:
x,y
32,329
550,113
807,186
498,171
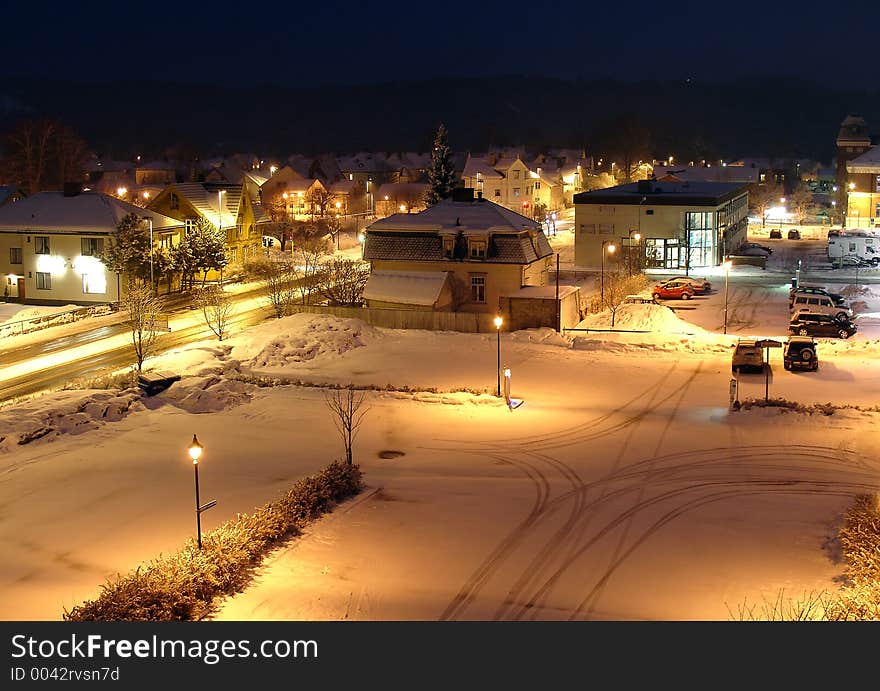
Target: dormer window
x,y
477,249
448,247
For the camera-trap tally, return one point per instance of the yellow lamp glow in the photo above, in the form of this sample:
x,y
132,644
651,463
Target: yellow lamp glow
x,y
195,450
498,321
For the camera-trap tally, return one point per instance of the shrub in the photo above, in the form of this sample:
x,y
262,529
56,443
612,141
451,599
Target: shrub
x,y
182,586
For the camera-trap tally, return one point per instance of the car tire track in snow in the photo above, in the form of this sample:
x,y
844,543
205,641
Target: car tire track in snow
x,y
497,557
534,603
564,536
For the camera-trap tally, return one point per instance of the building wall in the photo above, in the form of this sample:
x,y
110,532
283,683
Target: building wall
x,y
65,266
500,279
597,223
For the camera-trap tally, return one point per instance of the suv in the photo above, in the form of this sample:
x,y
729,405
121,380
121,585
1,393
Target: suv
x,y
806,324
748,356
819,304
775,234
799,352
794,234
807,289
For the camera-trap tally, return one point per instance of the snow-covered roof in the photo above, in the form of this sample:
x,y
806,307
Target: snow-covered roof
x,y
868,162
406,287
300,185
90,212
729,173
207,198
475,165
453,216
342,187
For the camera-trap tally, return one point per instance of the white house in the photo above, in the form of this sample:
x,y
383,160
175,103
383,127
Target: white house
x,y
50,244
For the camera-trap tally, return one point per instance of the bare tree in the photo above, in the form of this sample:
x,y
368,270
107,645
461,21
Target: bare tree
x,y
800,201
345,407
216,309
618,284
342,281
763,198
144,311
319,197
279,282
43,154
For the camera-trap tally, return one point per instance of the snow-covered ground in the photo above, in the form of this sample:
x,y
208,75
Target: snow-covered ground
x,y
622,488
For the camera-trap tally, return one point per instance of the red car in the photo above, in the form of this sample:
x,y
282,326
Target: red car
x,y
673,290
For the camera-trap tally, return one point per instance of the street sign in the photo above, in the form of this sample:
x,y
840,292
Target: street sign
x,y
208,505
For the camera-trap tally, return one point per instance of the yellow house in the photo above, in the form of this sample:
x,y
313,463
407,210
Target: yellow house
x,y
485,251
509,182
226,206
51,242
863,190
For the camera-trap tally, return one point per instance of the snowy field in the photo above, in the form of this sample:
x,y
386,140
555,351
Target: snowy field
x,y
621,489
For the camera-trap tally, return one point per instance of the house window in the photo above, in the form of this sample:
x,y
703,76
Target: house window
x,y
95,284
15,255
478,289
41,244
232,254
448,247
516,175
44,280
165,241
175,201
606,228
763,177
649,212
478,249
537,185
92,247
497,192
190,225
516,191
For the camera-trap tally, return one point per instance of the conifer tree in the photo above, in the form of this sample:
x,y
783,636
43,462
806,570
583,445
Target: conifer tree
x,y
441,175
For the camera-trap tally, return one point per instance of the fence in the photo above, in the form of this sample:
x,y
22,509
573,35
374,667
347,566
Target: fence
x,y
468,322
44,321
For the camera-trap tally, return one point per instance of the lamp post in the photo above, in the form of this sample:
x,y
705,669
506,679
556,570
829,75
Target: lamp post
x,y
611,248
195,452
635,235
727,266
498,321
338,224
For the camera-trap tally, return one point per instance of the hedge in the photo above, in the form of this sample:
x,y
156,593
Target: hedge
x,y
182,586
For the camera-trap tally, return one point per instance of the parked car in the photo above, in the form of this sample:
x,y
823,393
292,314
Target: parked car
x,y
834,233
753,248
775,234
807,324
794,234
812,289
700,285
748,356
673,290
799,352
854,260
819,304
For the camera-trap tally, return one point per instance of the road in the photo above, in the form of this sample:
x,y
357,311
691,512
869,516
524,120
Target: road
x,y
82,361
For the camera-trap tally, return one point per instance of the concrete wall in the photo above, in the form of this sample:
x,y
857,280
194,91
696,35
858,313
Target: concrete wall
x,y
468,322
533,313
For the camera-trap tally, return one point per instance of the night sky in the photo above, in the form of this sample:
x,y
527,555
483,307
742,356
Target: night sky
x,y
307,43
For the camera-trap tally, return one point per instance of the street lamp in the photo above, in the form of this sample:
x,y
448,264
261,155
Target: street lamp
x,y
636,236
338,224
498,321
727,266
195,452
611,248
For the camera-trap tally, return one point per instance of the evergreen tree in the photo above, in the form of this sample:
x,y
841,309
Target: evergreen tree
x,y
441,175
128,251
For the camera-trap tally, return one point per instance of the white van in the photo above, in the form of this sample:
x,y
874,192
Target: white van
x,y
819,304
847,244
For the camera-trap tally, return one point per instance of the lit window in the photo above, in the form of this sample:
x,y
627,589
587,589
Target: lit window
x,y
448,247
478,249
95,283
15,255
190,224
516,191
41,245
478,288
44,280
92,247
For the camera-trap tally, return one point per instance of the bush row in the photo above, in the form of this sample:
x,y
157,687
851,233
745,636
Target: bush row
x,y
182,586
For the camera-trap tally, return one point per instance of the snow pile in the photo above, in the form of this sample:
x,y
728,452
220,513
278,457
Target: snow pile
x,y
301,338
37,318
211,394
543,335
74,413
645,317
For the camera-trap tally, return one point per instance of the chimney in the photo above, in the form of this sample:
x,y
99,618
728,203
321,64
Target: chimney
x,y
72,189
463,194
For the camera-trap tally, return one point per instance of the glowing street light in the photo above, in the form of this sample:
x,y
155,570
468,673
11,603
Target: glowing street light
x,y
498,321
121,191
195,453
272,170
611,248
726,266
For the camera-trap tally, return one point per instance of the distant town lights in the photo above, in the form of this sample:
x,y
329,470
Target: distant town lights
x,y
121,191
146,195
272,170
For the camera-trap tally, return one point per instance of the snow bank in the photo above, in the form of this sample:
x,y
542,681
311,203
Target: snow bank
x,y
210,394
301,338
640,318
68,413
